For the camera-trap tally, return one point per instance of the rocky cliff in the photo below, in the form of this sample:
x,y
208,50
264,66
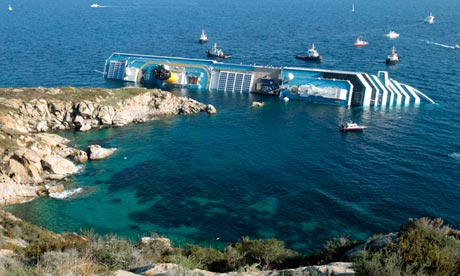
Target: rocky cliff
x,y
31,158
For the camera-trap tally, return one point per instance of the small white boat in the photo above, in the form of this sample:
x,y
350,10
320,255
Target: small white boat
x,y
352,7
10,8
312,54
393,57
456,46
429,19
360,42
203,37
392,35
95,5
350,126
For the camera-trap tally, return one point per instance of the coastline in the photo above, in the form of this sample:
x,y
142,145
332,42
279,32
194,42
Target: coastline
x,y
33,159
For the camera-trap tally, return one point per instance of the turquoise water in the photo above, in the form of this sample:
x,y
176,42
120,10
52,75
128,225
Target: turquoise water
x,y
283,170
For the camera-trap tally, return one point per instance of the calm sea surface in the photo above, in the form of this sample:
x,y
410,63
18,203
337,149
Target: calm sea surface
x,y
281,171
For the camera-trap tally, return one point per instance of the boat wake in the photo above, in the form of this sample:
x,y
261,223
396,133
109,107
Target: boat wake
x,y
66,194
443,45
455,155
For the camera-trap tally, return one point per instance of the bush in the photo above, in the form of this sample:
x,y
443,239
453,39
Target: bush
x,y
111,252
66,263
268,253
425,248
208,258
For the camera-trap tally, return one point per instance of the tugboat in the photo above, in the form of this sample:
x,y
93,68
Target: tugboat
x,y
216,52
350,126
360,42
392,35
203,37
429,19
312,55
393,57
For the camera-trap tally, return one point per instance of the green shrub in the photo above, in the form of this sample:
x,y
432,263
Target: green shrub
x,y
208,258
268,253
112,252
425,248
334,249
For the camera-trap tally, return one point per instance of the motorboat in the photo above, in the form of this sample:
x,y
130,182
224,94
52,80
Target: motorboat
x,y
10,8
360,42
429,19
95,5
352,7
456,46
312,54
203,37
392,35
350,126
216,52
393,57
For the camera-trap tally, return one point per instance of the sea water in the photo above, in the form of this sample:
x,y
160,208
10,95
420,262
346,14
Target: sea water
x,y
282,170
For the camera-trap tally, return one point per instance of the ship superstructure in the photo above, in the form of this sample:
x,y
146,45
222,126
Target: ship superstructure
x,y
313,85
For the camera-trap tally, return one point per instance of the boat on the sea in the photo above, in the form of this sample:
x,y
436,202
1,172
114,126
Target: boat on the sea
x,y
333,87
456,46
312,55
95,5
10,8
203,37
350,126
216,52
360,42
429,19
392,35
352,7
393,57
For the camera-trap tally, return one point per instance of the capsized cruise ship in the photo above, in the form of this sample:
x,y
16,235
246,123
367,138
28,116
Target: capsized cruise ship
x,y
312,85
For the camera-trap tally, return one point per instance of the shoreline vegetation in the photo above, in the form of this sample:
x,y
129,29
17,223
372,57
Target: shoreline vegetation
x,y
33,160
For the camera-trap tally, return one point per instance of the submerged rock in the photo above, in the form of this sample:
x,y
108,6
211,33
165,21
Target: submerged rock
x,y
257,104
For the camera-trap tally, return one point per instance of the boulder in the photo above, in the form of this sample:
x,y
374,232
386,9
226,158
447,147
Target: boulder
x,y
8,123
106,114
85,109
80,156
58,165
85,125
96,152
164,242
12,193
210,109
59,188
17,171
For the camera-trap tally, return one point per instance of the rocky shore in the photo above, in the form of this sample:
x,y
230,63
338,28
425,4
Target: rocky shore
x,y
33,160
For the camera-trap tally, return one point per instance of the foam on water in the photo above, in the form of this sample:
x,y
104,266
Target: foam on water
x,y
66,194
455,155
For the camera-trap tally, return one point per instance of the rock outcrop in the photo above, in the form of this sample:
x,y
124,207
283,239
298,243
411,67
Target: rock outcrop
x,y
30,158
169,269
96,152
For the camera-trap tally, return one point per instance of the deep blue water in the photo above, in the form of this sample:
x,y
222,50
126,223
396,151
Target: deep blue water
x,y
281,171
